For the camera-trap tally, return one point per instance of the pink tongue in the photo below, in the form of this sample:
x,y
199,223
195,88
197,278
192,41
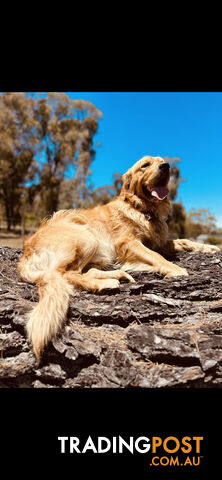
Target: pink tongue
x,y
160,192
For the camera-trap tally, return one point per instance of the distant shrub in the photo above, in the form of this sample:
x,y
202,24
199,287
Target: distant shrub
x,y
31,220
214,240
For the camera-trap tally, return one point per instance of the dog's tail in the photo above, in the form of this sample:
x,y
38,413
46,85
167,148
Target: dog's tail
x,y
46,319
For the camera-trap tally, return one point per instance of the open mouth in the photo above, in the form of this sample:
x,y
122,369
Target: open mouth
x,y
158,191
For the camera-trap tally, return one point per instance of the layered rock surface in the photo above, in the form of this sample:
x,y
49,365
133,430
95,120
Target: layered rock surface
x,y
154,333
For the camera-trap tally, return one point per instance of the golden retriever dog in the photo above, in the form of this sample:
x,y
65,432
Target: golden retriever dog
x,y
75,248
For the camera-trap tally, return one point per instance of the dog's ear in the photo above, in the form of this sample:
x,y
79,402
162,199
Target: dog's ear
x,y
126,179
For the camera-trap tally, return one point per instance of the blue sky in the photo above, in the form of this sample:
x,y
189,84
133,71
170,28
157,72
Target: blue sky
x,y
185,125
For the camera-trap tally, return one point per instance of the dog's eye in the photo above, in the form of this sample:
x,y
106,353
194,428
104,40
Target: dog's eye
x,y
146,165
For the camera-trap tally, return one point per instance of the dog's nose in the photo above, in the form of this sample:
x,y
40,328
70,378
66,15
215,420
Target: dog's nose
x,y
164,166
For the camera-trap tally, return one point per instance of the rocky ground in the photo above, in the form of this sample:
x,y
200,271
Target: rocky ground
x,y
154,333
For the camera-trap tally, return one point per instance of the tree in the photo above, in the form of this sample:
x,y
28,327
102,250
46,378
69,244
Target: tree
x,y
106,193
176,220
200,221
45,141
175,178
66,129
17,148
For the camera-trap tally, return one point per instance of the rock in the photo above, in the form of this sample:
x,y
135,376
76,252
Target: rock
x,y
155,333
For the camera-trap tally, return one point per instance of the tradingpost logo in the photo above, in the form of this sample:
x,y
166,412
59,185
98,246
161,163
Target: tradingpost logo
x,y
170,451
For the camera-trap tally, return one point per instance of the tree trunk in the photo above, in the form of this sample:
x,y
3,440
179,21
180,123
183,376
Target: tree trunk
x,y
9,224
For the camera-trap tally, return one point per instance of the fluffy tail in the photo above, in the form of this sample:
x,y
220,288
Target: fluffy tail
x,y
46,319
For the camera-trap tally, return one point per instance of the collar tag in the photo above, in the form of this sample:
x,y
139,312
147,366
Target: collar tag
x,y
148,216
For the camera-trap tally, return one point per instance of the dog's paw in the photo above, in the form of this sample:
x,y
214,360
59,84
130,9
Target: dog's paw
x,y
109,283
179,272
210,249
125,275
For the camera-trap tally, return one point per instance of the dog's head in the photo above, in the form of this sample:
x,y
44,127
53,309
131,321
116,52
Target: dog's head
x,y
146,183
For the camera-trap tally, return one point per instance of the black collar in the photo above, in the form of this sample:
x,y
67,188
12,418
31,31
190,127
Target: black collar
x,y
149,215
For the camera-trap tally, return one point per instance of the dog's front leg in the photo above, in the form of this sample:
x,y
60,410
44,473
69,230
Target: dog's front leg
x,y
133,255
180,245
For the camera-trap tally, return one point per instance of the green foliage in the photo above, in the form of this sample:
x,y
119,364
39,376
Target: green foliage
x,y
214,240
66,129
41,139
17,146
31,220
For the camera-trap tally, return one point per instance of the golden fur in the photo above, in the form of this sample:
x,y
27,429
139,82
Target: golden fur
x,y
73,249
